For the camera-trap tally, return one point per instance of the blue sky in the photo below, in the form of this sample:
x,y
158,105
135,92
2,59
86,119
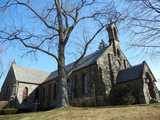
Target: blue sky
x,y
46,63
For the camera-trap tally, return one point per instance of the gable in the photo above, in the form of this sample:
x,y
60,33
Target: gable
x,y
148,70
29,75
132,73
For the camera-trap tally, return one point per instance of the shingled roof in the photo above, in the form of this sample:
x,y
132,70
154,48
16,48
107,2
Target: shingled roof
x,y
131,73
29,75
86,61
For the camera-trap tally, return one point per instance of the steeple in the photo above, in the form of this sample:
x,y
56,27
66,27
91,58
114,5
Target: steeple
x,y
13,62
113,38
112,33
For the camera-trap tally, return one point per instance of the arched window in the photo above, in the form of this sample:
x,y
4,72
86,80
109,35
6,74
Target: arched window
x,y
124,62
115,33
25,93
85,86
54,91
36,95
49,93
74,87
118,53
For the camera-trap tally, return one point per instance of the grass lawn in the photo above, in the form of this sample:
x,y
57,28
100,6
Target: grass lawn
x,y
138,112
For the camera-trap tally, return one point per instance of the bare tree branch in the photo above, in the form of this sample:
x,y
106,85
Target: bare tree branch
x,y
84,50
150,46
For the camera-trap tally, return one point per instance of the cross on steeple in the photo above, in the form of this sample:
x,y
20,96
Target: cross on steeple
x,y
14,62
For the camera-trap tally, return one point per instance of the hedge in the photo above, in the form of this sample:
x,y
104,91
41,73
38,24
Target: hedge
x,y
8,111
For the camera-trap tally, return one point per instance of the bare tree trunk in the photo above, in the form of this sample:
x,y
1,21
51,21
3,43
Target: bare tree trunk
x,y
62,96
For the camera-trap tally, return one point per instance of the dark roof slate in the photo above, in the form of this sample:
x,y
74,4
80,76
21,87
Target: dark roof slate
x,y
86,61
131,73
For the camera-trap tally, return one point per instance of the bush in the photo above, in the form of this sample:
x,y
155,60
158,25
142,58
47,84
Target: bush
x,y
122,95
8,111
153,101
83,102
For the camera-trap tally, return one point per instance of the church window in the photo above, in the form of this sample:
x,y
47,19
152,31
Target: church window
x,y
118,53
37,95
49,92
74,87
14,89
115,33
43,93
7,90
25,93
55,91
125,66
85,84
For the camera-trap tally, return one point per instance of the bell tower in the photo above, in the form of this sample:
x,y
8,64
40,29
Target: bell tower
x,y
113,37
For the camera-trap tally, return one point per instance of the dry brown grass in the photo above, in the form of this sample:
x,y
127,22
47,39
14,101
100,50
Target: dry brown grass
x,y
3,104
150,112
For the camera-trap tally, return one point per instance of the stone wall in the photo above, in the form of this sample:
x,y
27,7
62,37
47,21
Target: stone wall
x,y
95,87
109,65
77,96
146,75
21,87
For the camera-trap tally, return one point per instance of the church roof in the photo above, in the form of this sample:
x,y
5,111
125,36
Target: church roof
x,y
131,73
86,61
29,75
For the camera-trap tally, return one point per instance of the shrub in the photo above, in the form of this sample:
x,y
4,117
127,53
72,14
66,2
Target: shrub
x,y
122,95
8,111
153,101
85,102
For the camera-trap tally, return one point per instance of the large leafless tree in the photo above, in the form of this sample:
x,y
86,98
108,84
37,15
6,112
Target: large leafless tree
x,y
58,19
144,21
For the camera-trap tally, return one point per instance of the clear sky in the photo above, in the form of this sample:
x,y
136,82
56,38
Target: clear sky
x,y
43,62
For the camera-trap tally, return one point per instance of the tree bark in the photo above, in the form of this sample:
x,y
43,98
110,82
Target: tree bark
x,y
62,96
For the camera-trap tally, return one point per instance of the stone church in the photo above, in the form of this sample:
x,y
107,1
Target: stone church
x,y
89,84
